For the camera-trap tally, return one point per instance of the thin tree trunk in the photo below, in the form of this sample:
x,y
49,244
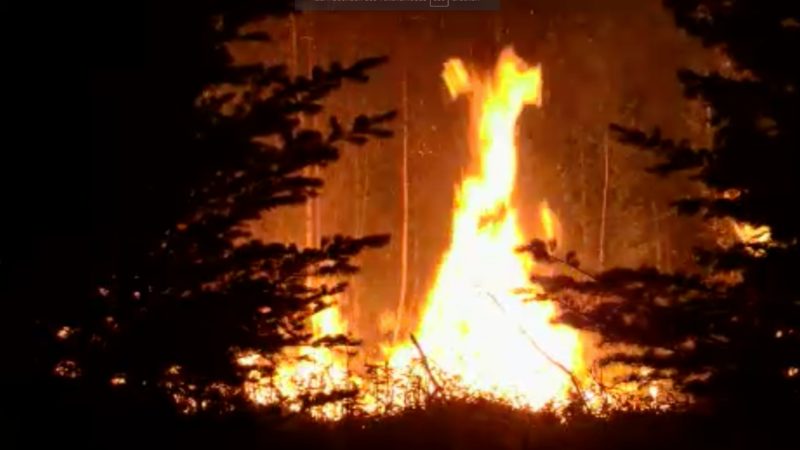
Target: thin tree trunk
x,y
404,231
316,203
657,230
415,263
601,250
665,231
316,207
355,285
312,204
295,68
294,58
294,63
361,208
365,187
584,213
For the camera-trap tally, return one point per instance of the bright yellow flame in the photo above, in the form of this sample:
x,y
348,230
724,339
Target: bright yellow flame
x,y
475,327
653,391
750,234
548,222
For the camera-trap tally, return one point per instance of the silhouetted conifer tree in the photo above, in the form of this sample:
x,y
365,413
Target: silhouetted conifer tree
x,y
730,332
197,147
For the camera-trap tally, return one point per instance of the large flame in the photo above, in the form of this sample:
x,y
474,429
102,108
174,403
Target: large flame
x,y
475,325
476,329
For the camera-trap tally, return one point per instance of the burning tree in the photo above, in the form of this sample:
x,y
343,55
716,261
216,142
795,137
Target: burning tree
x,y
200,290
730,332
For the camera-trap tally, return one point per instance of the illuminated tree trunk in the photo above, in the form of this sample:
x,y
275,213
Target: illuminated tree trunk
x,y
361,161
657,239
312,216
584,189
365,187
601,250
295,69
287,225
404,231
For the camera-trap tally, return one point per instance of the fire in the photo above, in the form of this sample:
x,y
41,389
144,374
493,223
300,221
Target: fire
x,y
475,327
305,371
548,222
750,234
747,233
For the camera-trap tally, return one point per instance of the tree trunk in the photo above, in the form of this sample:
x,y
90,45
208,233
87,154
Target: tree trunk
x,y
312,204
287,219
404,230
355,284
362,163
584,211
657,231
602,244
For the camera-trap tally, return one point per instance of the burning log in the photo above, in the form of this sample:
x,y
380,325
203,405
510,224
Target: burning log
x,y
424,359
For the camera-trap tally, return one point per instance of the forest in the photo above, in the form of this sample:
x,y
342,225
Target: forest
x,y
547,224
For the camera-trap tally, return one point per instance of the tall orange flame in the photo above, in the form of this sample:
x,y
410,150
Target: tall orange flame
x,y
475,326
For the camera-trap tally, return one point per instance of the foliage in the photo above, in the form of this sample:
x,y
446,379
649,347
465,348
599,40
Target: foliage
x,y
181,285
729,332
